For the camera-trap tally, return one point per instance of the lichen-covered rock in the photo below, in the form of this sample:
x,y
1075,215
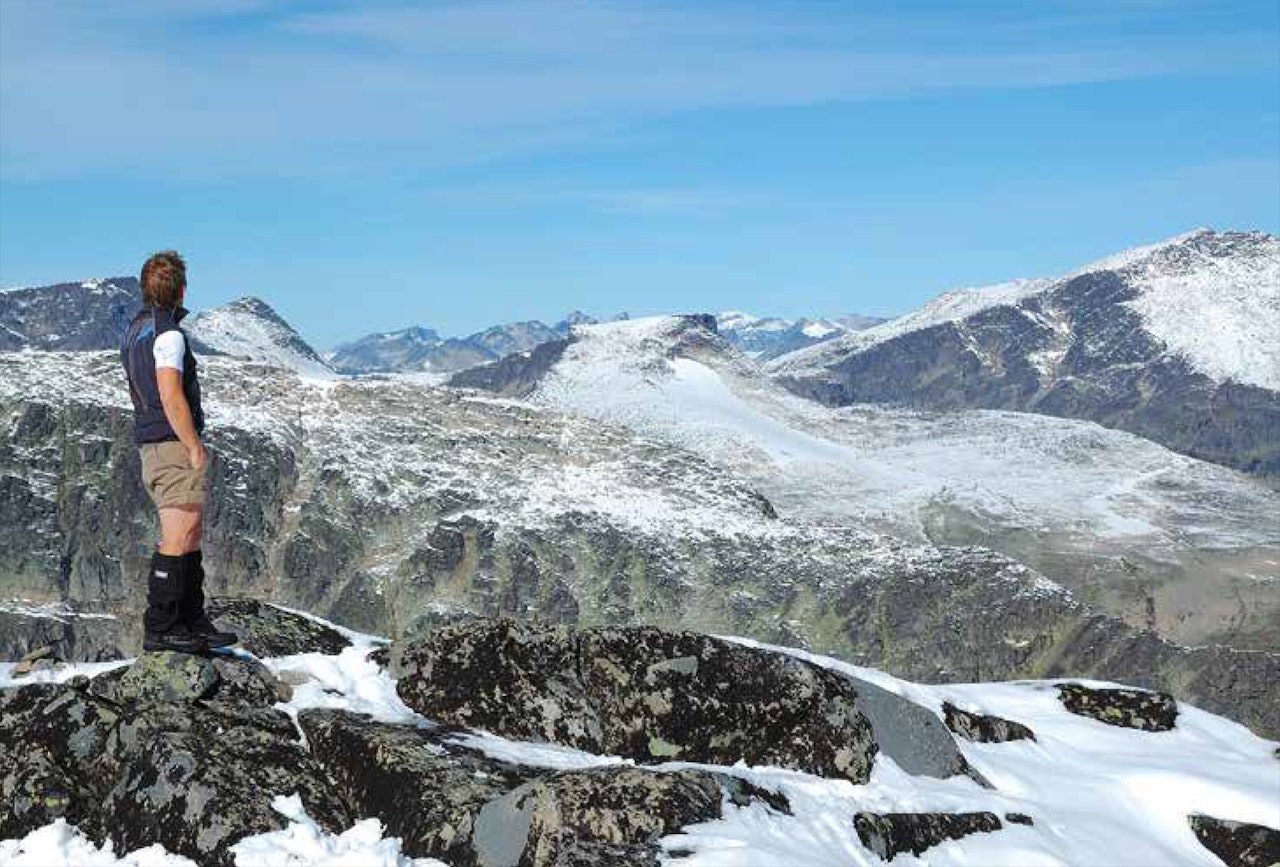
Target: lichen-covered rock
x,y
197,780
52,739
265,630
181,750
599,817
1238,844
1128,708
168,677
515,679
425,790
648,694
984,728
890,834
159,677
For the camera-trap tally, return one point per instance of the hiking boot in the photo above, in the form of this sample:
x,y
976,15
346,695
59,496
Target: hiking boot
x,y
179,641
197,620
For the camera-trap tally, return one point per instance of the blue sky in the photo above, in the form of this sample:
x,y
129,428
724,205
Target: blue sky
x,y
366,166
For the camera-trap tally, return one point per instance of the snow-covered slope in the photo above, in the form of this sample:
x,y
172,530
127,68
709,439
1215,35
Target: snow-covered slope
x,y
1058,493
1175,341
249,328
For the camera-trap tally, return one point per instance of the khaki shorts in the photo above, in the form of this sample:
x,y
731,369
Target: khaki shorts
x,y
168,476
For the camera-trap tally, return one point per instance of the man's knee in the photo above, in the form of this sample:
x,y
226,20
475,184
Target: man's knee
x,y
180,528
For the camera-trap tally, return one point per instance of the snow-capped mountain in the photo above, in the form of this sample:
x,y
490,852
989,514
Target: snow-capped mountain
x,y
249,328
1093,508
420,349
92,314
769,337
1175,342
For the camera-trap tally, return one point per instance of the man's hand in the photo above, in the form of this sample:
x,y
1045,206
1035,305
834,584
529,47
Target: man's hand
x,y
196,455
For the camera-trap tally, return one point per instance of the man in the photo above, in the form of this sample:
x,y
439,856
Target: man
x,y
168,423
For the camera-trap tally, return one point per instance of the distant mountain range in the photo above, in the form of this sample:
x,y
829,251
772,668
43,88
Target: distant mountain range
x,y
768,337
422,349
92,315
1175,342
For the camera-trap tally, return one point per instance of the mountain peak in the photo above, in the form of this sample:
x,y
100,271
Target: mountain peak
x,y
249,327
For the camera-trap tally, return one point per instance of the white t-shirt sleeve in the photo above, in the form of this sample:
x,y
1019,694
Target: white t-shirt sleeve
x,y
169,350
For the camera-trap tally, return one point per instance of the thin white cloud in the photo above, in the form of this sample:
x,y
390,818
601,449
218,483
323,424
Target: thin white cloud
x,y
236,87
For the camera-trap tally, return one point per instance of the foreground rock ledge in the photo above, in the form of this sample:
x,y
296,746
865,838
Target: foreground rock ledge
x,y
639,692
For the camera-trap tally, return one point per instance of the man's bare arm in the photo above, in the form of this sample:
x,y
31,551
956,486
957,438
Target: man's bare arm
x,y
178,412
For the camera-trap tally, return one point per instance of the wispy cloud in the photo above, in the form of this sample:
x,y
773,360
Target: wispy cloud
x,y
219,87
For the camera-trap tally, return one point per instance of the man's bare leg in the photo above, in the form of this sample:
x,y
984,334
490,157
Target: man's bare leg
x,y
180,529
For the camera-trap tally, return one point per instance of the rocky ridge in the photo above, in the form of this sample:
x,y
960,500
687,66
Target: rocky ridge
x,y
196,753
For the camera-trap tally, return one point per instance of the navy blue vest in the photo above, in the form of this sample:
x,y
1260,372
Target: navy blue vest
x,y
137,354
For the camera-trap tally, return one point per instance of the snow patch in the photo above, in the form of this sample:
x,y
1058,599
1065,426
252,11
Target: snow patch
x,y
61,845
305,844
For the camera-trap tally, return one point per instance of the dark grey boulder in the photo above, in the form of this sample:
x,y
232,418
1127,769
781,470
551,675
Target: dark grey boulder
x,y
425,790
1127,708
518,680
911,735
648,694
984,728
1238,844
265,630
600,817
890,834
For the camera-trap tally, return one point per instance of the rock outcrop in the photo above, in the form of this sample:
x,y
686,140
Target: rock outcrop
x,y
70,634
175,749
1238,844
890,834
641,693
601,816
984,728
425,789
1127,708
267,630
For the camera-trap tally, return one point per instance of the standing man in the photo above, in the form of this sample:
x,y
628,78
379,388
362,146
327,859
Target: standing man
x,y
168,423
